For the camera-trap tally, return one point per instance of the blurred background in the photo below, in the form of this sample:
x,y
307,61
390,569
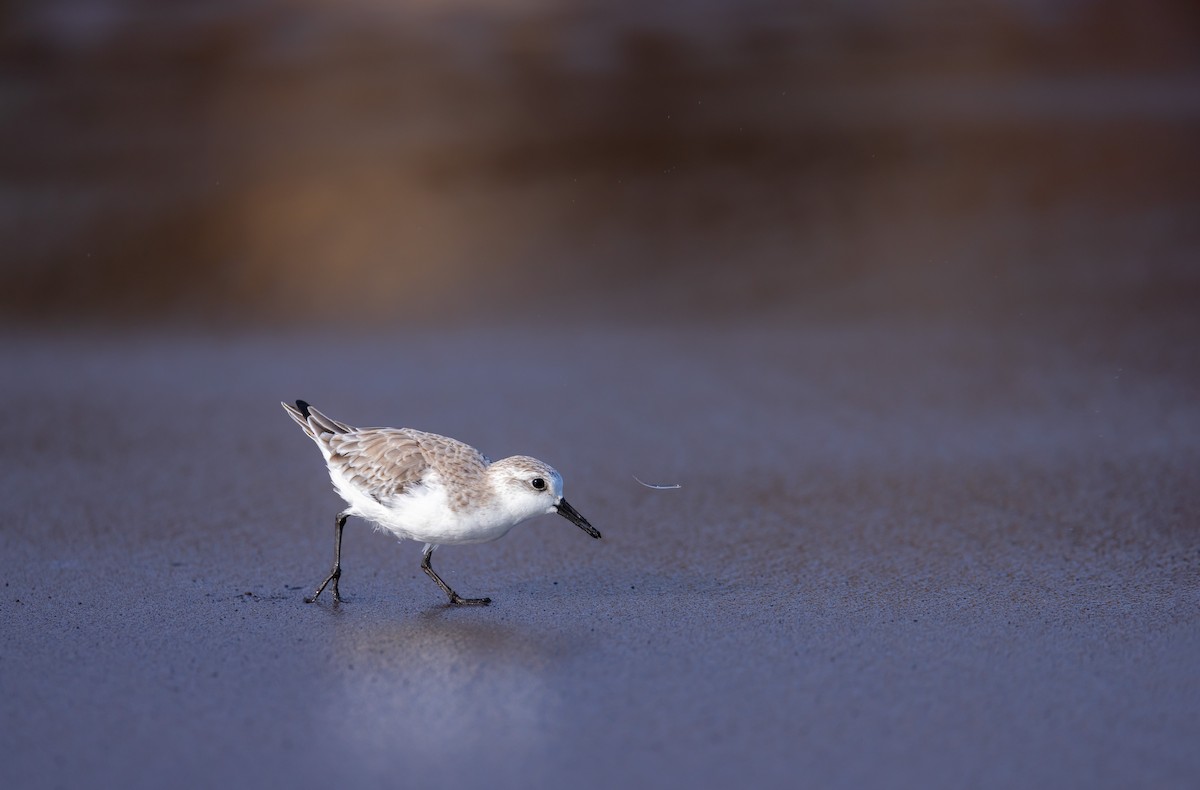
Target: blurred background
x,y
365,161
904,293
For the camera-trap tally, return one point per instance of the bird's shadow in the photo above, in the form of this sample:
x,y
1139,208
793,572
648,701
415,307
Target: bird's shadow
x,y
446,633
530,622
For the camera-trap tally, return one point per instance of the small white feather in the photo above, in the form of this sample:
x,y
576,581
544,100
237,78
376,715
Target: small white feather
x,y
658,487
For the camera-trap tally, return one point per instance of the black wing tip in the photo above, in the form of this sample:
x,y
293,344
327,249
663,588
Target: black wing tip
x,y
303,407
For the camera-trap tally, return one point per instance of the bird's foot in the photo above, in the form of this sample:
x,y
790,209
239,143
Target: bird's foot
x,y
458,600
334,577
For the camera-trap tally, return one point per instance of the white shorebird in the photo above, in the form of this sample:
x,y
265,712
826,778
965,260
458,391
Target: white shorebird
x,y
429,488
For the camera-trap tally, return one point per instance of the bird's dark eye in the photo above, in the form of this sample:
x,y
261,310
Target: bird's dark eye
x,y
538,483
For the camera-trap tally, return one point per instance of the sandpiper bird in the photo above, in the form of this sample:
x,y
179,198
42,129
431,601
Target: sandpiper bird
x,y
429,488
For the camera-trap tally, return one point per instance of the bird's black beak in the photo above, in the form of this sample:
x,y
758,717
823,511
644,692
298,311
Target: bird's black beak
x,y
572,515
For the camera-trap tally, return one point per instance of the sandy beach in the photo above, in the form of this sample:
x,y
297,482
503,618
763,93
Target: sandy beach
x,y
903,296
915,555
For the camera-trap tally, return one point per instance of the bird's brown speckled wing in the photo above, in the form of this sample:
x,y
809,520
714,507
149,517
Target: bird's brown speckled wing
x,y
461,467
383,463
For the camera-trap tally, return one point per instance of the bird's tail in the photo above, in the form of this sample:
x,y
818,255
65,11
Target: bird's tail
x,y
313,422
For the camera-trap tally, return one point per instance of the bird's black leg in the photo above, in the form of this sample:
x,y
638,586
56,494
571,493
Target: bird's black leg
x,y
336,573
455,598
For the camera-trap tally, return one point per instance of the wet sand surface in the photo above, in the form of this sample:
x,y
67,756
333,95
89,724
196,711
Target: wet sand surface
x,y
904,295
906,553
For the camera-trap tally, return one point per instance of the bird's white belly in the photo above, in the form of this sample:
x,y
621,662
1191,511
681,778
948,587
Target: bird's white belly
x,y
425,515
